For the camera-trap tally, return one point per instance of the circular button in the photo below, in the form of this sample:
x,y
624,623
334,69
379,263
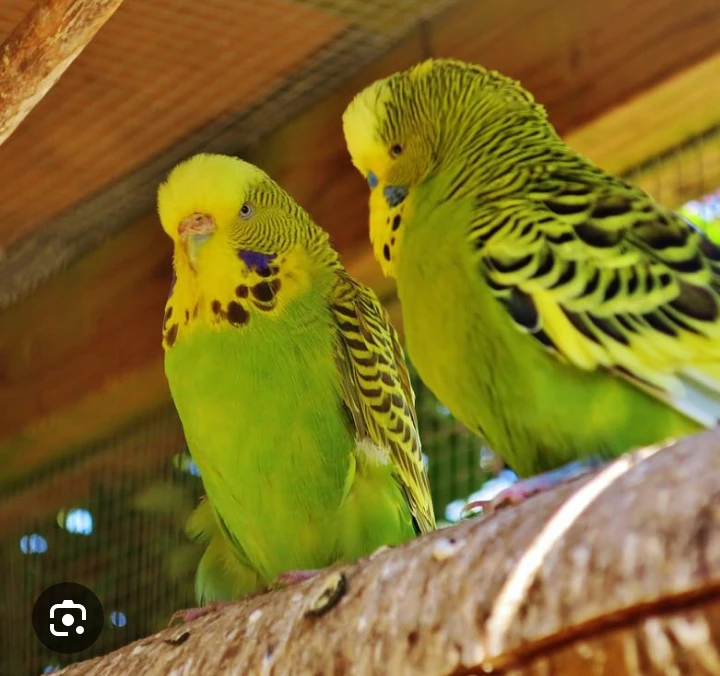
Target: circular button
x,y
68,617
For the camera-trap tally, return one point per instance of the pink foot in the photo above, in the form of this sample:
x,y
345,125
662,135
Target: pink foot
x,y
190,614
520,491
296,576
512,495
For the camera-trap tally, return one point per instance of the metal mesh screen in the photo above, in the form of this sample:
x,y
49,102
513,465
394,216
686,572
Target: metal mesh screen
x,y
112,517
112,520
685,178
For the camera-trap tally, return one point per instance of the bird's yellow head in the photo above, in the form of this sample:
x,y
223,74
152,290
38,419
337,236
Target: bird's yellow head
x,y
217,204
238,238
405,128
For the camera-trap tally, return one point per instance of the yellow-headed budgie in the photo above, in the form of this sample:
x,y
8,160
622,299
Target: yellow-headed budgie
x,y
290,384
556,310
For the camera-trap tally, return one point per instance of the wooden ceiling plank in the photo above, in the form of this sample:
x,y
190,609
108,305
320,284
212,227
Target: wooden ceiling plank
x,y
581,58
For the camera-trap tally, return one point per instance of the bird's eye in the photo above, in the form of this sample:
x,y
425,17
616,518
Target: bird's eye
x,y
396,150
246,211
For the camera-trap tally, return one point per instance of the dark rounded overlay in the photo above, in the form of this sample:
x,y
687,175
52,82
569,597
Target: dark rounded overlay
x,y
68,617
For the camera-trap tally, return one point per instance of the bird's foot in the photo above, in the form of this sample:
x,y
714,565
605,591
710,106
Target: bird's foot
x,y
520,491
295,576
190,614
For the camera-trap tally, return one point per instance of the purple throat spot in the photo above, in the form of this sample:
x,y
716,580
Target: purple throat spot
x,y
255,260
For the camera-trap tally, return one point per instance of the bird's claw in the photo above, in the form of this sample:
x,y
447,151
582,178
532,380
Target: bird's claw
x,y
512,495
292,577
190,614
520,491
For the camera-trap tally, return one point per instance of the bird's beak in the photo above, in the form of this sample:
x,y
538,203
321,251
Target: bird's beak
x,y
194,231
394,195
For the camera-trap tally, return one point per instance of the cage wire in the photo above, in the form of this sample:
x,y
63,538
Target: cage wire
x,y
112,517
687,178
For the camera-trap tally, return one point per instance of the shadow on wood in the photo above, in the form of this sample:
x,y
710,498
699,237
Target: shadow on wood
x,y
617,573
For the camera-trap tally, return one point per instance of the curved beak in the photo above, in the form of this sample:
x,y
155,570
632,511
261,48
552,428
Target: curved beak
x,y
194,231
196,224
394,195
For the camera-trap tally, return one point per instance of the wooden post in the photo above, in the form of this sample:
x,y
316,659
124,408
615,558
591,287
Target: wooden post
x,y
40,49
615,574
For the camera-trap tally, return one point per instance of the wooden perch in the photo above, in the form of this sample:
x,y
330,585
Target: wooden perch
x,y
613,574
40,49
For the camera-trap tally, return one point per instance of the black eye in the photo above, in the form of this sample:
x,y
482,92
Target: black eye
x,y
396,150
246,211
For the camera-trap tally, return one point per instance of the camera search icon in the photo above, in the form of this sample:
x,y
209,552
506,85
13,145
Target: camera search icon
x,y
68,617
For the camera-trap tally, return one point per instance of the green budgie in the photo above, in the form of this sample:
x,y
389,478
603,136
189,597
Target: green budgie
x,y
556,310
290,384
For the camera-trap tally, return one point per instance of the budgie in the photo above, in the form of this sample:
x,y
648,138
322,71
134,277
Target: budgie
x,y
556,310
290,384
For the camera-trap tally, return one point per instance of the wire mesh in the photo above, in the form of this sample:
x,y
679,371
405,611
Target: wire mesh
x,y
113,517
684,177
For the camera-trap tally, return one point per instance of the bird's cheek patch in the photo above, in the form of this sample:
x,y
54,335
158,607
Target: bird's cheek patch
x,y
259,263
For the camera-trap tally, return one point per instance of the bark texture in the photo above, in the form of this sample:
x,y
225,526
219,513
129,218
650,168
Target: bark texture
x,y
40,49
617,573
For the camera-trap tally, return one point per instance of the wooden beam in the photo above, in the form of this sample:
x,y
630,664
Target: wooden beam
x,y
40,49
81,357
558,585
670,114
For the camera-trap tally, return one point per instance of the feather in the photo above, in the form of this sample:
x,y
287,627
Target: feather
x,y
377,390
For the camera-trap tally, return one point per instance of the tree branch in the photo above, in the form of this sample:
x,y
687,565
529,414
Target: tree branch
x,y
616,573
40,49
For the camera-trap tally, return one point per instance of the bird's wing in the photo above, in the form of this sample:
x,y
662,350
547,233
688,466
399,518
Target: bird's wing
x,y
377,390
603,277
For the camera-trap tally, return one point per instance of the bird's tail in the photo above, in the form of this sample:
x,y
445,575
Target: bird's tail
x,y
700,395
